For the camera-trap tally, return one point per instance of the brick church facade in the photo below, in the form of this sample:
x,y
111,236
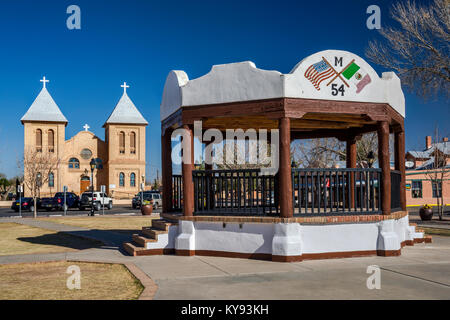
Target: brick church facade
x,y
122,153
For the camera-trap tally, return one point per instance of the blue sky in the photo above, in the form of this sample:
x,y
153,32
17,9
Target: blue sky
x,y
140,41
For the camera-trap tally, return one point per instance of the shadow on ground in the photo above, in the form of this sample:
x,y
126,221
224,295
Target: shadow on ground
x,y
63,239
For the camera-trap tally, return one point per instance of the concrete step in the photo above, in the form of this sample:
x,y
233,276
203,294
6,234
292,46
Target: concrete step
x,y
132,249
140,251
141,240
171,217
152,233
162,224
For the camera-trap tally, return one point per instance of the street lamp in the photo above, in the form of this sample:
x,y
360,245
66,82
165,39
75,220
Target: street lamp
x,y
92,164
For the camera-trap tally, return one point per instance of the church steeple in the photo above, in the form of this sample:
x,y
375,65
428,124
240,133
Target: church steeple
x,y
125,111
44,108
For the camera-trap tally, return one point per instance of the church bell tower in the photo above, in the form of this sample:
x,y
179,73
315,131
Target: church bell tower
x,y
125,138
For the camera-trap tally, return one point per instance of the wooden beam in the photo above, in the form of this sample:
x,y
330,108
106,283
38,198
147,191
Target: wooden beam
x,y
399,150
285,194
346,118
166,163
351,163
188,184
383,160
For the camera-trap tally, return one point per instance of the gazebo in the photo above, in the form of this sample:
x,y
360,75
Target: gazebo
x,y
290,214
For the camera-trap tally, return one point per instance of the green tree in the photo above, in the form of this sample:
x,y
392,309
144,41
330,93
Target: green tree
x,y
5,185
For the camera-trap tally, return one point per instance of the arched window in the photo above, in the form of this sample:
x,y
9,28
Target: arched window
x,y
122,142
132,180
39,140
51,180
133,142
51,141
121,179
74,163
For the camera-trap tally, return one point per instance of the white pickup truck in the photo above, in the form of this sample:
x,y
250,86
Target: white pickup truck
x,y
99,199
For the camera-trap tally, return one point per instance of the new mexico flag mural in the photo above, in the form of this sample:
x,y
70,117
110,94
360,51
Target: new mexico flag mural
x,y
356,75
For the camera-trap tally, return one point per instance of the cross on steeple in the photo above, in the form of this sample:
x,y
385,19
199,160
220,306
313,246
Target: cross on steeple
x,y
86,127
44,81
125,86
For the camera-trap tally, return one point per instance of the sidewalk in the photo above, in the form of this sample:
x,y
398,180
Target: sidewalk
x,y
421,272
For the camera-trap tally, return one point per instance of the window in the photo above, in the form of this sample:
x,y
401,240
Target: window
x,y
132,142
416,189
51,180
51,141
437,189
132,180
39,140
122,142
74,163
121,179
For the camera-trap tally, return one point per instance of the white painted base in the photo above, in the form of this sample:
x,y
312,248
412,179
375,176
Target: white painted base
x,y
287,239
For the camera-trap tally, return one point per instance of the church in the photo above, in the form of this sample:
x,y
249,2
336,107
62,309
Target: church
x,y
122,153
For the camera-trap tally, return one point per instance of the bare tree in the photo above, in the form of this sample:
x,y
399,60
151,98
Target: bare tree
x,y
439,169
241,151
419,49
318,153
326,152
37,166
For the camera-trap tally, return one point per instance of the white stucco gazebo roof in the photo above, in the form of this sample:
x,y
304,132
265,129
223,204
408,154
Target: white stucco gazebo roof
x,y
44,108
126,112
243,81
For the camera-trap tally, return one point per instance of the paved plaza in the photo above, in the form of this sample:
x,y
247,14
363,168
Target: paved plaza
x,y
421,272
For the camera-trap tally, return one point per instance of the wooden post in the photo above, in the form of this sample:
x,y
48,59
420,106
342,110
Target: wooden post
x,y
285,172
166,164
211,186
186,168
351,163
400,165
383,160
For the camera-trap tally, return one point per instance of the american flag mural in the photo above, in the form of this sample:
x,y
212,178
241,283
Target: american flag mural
x,y
318,72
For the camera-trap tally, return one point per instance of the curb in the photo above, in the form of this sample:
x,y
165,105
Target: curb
x,y
150,287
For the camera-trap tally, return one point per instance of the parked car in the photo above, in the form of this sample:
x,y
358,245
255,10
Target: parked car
x,y
99,199
148,195
49,204
27,204
72,200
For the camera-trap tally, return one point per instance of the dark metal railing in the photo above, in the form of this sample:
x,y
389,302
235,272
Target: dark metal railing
x,y
396,178
316,192
336,191
177,192
235,192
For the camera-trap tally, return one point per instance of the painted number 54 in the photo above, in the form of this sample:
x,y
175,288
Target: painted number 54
x,y
335,90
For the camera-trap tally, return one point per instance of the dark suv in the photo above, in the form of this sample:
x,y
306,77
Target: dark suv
x,y
72,200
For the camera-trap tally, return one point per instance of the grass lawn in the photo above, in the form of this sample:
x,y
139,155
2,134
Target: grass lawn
x,y
21,239
436,231
47,281
122,224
